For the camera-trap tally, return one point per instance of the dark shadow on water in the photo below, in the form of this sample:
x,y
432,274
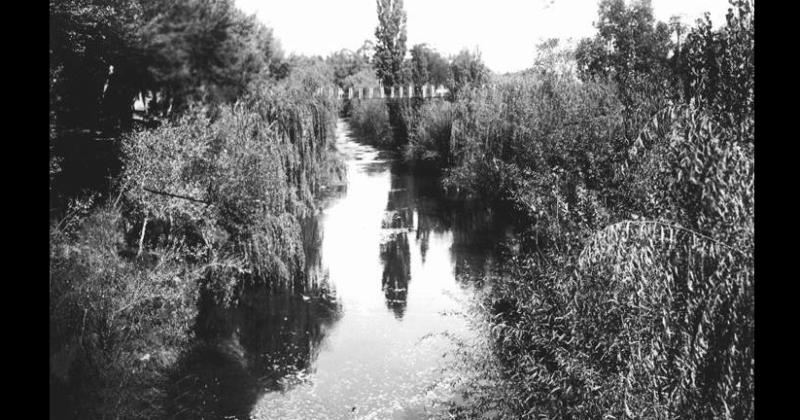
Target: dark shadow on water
x,y
395,254
396,260
478,228
376,167
477,231
266,341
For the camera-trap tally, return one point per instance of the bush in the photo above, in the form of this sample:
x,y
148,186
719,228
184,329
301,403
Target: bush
x,y
429,138
650,317
632,293
116,325
370,122
526,128
236,185
211,200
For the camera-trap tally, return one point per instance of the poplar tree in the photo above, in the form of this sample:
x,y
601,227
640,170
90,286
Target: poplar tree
x,y
391,46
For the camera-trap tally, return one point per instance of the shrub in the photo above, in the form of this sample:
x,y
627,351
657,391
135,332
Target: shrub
x,y
359,82
116,325
429,137
211,200
526,125
238,184
646,315
370,121
632,295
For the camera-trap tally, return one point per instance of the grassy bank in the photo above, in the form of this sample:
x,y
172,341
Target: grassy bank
x,y
210,201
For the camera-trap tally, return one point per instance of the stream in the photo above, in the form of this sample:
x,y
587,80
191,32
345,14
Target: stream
x,y
373,335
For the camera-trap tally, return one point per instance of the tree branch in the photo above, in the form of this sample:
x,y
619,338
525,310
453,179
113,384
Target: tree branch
x,y
657,223
184,197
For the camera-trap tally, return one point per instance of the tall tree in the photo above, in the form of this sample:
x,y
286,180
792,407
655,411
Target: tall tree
x,y
390,49
629,41
554,59
205,50
717,66
346,63
632,49
438,68
428,66
366,51
467,69
419,64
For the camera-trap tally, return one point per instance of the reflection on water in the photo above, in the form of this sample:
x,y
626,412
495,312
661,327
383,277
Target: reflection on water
x,y
366,337
396,272
475,227
266,342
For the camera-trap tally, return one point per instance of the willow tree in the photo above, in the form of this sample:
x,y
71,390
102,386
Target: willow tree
x,y
391,46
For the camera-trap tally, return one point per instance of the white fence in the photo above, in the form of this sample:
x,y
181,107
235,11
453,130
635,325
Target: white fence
x,y
378,92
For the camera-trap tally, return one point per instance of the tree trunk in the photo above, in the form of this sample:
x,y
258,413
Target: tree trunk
x,y
141,237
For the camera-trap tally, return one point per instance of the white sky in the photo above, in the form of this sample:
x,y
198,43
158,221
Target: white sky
x,y
505,31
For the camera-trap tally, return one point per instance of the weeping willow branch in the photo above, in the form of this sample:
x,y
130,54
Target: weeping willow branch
x,y
622,228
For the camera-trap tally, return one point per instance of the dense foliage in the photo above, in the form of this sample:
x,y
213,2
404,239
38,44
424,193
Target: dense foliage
x,y
370,120
116,324
407,123
429,135
102,53
346,63
467,69
632,293
428,66
629,41
211,201
248,176
163,56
